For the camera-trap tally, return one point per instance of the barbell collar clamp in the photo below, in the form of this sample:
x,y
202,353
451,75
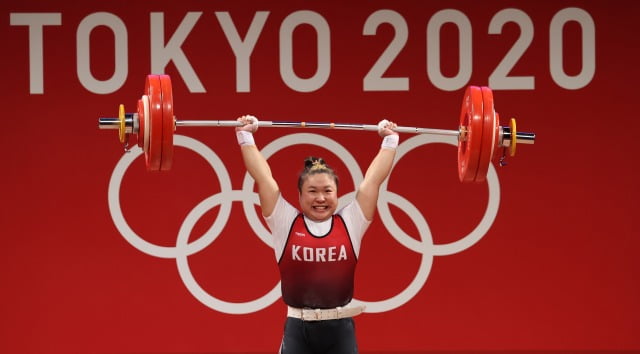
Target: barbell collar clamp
x,y
521,137
130,123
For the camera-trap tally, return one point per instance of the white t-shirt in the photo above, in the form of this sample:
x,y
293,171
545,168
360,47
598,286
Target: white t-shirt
x,y
284,213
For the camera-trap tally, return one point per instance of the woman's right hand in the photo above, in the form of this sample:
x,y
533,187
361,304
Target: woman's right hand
x,y
250,124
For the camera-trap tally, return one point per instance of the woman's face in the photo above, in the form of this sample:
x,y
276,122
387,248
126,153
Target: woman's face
x,y
319,197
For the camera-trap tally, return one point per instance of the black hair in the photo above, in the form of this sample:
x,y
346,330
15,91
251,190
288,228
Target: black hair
x,y
312,166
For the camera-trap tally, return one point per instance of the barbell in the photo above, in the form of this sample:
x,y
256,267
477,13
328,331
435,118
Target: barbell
x,y
479,133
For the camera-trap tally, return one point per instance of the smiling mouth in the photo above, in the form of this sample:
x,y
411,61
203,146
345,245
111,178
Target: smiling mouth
x,y
320,207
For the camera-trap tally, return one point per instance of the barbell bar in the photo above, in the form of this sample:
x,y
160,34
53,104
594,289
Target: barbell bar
x,y
480,135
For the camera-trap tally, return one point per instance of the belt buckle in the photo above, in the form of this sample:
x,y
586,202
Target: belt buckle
x,y
321,314
313,314
310,314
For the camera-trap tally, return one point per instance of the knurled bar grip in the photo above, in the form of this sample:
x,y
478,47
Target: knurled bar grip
x,y
319,125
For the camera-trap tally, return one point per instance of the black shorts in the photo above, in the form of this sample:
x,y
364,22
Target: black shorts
x,y
315,337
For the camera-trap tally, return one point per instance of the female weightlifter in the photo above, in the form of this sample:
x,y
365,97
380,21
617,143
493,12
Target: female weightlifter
x,y
316,247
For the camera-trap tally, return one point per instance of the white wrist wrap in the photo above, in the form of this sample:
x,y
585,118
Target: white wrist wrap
x,y
245,138
390,141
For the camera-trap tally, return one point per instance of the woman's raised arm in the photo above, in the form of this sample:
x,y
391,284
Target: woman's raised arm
x,y
378,171
257,165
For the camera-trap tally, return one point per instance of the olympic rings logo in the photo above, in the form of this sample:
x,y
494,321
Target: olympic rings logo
x,y
249,198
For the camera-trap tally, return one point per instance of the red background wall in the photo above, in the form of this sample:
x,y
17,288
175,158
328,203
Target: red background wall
x,y
556,269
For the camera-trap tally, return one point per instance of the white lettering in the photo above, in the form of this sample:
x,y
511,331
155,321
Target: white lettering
x,y
36,22
294,250
242,49
166,47
307,253
321,27
332,254
461,21
500,78
117,26
162,54
374,80
319,254
343,253
556,48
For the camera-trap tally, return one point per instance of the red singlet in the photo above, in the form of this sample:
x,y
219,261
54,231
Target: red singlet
x,y
317,271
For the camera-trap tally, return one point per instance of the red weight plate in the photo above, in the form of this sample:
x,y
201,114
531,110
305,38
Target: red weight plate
x,y
167,123
489,134
471,120
145,105
140,123
153,89
496,148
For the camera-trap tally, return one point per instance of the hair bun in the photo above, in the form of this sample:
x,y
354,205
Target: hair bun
x,y
313,162
313,165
